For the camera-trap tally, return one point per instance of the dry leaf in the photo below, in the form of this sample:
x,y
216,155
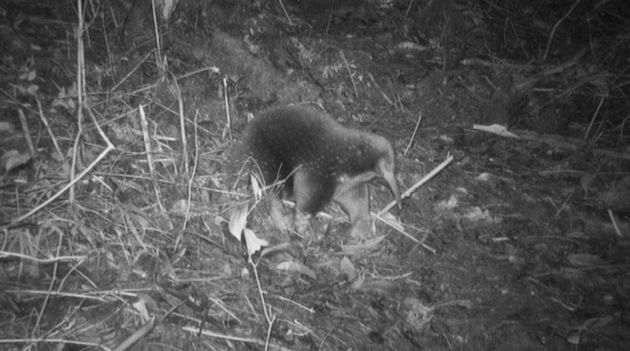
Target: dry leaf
x,y
238,221
180,207
377,284
13,159
449,204
6,127
586,260
357,283
363,247
496,129
597,322
245,275
484,177
417,314
253,243
168,6
141,307
574,338
256,189
346,267
291,266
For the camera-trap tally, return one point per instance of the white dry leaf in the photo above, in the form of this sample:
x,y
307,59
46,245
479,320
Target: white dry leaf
x,y
32,89
13,159
448,204
256,189
362,247
253,243
6,127
417,314
141,307
484,177
168,6
411,46
111,261
238,221
291,266
596,323
476,214
245,274
218,220
446,138
574,337
357,284
180,207
346,267
497,129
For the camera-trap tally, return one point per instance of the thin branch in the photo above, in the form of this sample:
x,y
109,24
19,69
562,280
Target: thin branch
x,y
555,27
418,184
413,136
354,86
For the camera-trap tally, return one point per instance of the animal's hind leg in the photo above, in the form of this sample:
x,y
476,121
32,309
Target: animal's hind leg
x,y
311,193
355,202
281,217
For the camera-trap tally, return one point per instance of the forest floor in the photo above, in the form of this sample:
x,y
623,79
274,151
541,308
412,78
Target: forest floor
x,y
117,210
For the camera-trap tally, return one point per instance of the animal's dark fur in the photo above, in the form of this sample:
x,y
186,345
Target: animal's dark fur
x,y
316,155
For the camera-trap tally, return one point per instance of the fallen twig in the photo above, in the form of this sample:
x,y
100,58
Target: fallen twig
x,y
418,184
26,132
402,231
98,159
614,223
149,153
58,341
6,254
226,101
557,141
406,194
413,136
345,63
209,333
555,27
133,338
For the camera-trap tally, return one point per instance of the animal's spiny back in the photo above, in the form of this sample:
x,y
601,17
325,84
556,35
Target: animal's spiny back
x,y
289,137
323,154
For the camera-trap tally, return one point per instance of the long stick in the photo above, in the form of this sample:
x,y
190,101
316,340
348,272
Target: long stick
x,y
418,184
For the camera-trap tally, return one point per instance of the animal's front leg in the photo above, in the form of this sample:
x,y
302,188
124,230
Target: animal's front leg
x,y
355,202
